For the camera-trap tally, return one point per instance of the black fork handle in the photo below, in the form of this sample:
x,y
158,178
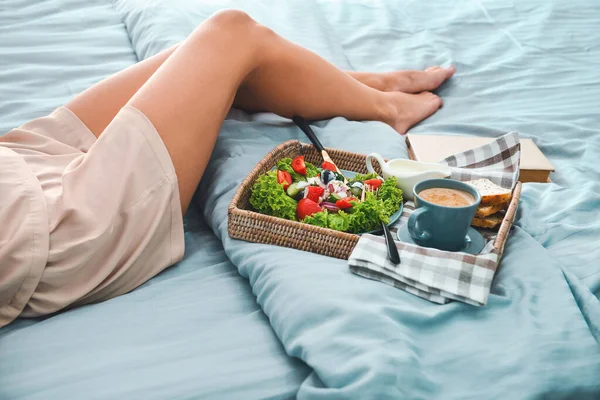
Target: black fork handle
x,y
302,124
391,245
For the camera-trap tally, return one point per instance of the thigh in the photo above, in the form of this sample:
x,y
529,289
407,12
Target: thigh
x,y
189,96
99,104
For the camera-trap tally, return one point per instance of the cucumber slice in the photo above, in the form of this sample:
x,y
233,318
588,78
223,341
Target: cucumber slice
x,y
302,184
295,189
333,197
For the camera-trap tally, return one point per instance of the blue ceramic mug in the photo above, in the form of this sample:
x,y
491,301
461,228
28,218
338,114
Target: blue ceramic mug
x,y
438,226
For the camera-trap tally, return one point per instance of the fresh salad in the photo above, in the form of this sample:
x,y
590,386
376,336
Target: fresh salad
x,y
299,191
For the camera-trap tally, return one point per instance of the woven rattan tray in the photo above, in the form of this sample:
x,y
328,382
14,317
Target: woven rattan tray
x,y
254,227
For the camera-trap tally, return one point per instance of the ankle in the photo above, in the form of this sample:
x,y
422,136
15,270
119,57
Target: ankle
x,y
388,82
387,110
383,82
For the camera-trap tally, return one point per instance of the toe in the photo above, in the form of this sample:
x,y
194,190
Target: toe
x,y
419,81
431,98
450,71
447,72
432,101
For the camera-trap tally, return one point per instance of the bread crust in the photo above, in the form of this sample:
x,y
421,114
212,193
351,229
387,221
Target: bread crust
x,y
486,211
491,194
488,222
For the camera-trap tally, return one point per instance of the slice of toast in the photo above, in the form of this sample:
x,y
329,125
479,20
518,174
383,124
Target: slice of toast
x,y
488,222
491,194
486,211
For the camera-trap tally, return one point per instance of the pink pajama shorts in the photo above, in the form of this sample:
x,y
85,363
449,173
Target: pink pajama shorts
x,y
113,207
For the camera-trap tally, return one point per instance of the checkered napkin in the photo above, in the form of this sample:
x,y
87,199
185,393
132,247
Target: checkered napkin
x,y
436,275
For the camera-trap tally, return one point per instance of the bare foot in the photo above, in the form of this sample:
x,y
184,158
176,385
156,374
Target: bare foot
x,y
406,81
417,81
410,109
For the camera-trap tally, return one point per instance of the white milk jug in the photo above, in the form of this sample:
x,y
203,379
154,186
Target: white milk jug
x,y
408,172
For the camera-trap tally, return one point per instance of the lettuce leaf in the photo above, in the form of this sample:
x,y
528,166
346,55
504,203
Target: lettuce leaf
x,y
268,197
325,219
285,164
390,195
339,221
318,219
366,216
362,178
311,170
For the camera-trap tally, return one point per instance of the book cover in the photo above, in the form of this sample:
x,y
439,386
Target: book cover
x,y
535,167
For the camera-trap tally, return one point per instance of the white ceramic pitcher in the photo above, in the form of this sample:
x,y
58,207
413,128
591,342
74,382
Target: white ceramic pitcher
x,y
407,172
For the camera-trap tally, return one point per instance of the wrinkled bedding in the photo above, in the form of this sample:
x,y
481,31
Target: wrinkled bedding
x,y
531,67
195,331
241,320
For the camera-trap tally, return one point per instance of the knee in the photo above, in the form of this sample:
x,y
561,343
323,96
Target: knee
x,y
231,19
238,23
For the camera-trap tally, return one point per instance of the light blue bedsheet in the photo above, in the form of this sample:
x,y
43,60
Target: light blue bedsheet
x,y
195,331
528,66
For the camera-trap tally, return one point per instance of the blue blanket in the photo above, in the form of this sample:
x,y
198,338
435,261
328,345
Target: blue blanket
x,y
196,330
530,66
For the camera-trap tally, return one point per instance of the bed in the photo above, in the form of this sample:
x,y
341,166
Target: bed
x,y
178,336
242,320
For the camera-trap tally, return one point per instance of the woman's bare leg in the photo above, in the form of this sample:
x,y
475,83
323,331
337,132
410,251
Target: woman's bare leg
x,y
189,95
406,81
99,104
397,81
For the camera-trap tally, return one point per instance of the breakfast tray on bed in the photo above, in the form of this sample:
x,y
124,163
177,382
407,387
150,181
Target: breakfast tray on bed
x,y
246,224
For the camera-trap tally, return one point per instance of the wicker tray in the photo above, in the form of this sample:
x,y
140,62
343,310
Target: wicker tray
x,y
254,227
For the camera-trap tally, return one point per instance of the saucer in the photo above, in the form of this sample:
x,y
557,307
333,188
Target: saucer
x,y
474,246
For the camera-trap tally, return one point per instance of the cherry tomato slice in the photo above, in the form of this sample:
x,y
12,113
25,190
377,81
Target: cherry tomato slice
x,y
314,193
298,165
328,166
373,183
344,204
284,177
307,207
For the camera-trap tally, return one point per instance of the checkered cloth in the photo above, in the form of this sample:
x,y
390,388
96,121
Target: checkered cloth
x,y
436,275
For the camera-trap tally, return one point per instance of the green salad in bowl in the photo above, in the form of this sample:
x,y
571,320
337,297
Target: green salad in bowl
x,y
297,190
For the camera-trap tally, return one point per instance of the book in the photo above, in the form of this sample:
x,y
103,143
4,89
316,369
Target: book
x,y
534,166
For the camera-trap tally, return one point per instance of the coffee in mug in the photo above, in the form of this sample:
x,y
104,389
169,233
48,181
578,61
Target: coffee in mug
x,y
444,209
447,197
